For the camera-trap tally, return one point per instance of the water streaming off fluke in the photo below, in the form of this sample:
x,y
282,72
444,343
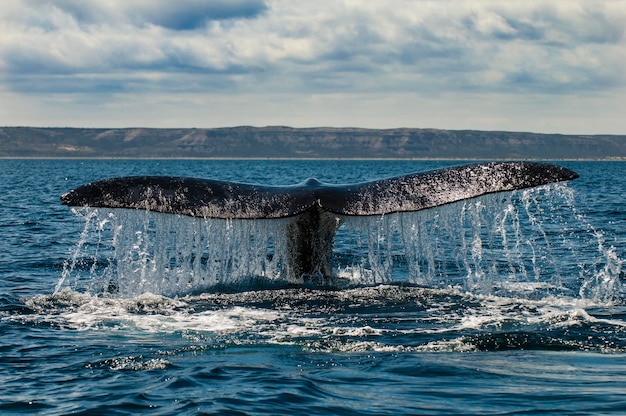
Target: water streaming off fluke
x,y
521,243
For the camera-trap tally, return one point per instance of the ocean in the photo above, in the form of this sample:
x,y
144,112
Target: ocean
x,y
506,304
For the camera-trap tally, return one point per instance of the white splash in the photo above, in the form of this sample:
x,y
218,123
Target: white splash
x,y
171,254
525,244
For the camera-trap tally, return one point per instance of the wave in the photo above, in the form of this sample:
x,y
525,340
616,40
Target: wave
x,y
383,318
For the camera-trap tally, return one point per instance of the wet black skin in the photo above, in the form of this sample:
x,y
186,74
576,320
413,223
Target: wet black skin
x,y
316,207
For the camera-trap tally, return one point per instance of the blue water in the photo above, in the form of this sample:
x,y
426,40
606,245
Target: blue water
x,y
503,305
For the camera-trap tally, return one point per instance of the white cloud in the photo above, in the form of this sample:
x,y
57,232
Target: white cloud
x,y
255,50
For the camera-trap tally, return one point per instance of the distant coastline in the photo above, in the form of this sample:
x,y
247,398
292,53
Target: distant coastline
x,y
443,159
288,143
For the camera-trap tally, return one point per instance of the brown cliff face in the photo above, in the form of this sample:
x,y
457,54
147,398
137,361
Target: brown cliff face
x,y
320,142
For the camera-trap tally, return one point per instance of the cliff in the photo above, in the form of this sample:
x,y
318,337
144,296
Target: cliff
x,y
287,142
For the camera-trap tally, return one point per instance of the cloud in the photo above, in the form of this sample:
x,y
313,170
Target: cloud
x,y
470,42
179,15
302,48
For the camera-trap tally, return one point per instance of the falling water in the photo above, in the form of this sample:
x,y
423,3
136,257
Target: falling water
x,y
523,243
170,254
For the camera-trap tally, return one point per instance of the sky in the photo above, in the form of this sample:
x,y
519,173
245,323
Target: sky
x,y
549,66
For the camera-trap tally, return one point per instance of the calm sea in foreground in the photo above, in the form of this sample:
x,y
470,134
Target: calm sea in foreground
x,y
507,304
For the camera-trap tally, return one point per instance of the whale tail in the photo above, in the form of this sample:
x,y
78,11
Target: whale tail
x,y
317,207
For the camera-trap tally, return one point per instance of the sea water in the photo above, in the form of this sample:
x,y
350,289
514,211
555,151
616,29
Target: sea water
x,y
508,303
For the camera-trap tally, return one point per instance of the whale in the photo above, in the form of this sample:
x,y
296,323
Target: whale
x,y
317,209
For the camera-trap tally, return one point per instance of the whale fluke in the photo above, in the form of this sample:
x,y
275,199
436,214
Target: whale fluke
x,y
220,199
317,206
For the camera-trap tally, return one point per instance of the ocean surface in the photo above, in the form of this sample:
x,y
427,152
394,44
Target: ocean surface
x,y
506,304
